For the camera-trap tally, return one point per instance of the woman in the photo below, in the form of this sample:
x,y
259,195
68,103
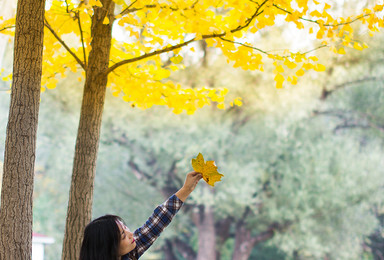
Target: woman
x,y
108,238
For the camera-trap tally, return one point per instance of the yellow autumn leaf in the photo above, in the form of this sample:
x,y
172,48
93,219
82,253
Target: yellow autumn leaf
x,y
52,83
177,59
207,169
319,67
279,80
293,80
341,50
221,106
238,101
357,46
95,3
106,20
290,64
300,72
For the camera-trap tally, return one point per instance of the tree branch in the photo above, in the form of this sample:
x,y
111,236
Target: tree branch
x,y
128,10
270,232
82,38
348,122
177,46
245,45
64,44
7,27
326,93
249,20
327,25
140,175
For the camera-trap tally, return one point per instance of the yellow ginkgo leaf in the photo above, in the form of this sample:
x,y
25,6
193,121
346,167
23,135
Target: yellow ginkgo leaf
x,y
207,169
176,59
320,67
341,51
357,46
106,20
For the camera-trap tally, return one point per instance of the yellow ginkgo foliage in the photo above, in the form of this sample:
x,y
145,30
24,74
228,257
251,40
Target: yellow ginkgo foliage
x,y
152,28
208,169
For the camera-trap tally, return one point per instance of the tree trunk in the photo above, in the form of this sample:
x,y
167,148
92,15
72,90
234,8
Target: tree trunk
x,y
245,242
204,220
20,146
168,251
184,249
81,192
223,228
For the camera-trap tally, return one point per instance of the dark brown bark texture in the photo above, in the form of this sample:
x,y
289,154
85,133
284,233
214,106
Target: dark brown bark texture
x,y
81,191
20,146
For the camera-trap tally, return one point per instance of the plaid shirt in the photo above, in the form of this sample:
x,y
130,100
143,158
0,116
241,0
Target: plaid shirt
x,y
151,230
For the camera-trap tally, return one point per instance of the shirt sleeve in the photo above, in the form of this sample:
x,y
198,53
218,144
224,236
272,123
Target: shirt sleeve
x,y
151,230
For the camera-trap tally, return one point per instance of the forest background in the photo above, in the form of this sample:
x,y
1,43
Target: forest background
x,y
302,165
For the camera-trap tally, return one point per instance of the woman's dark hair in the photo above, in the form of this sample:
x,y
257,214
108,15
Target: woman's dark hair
x,y
101,239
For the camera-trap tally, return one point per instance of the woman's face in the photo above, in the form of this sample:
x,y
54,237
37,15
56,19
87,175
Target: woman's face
x,y
127,243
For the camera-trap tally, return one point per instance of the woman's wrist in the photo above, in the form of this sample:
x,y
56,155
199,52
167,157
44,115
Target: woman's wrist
x,y
183,194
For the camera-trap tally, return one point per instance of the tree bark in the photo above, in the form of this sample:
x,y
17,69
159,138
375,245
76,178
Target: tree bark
x,y
245,242
84,167
20,146
204,220
223,228
168,251
184,249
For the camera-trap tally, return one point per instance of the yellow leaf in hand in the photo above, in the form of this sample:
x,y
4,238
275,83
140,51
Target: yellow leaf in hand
x,y
207,169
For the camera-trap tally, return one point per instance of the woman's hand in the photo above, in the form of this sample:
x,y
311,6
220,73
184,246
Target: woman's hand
x,y
189,185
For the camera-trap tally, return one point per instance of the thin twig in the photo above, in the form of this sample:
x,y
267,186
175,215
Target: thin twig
x,y
245,45
268,52
126,9
82,38
66,3
64,44
249,20
327,25
7,27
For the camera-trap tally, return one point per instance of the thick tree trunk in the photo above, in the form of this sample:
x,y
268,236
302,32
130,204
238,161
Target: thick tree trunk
x,y
81,192
204,220
20,146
